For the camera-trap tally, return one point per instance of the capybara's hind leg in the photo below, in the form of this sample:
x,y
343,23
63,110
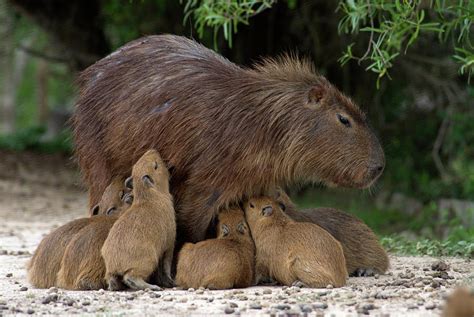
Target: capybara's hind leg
x,y
167,263
115,283
137,283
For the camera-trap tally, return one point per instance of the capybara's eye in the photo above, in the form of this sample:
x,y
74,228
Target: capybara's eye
x,y
252,205
344,120
282,206
156,165
95,210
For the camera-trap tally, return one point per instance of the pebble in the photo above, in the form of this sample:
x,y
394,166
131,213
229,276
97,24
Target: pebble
x,y
233,305
9,275
70,302
86,303
155,295
283,307
255,306
306,308
242,297
3,252
23,288
439,266
30,311
200,291
267,291
229,310
320,305
191,289
329,286
50,298
430,306
368,306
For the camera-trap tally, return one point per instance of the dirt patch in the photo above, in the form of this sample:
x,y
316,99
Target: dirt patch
x,y
36,202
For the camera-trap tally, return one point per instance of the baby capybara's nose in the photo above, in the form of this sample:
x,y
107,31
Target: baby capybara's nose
x,y
376,170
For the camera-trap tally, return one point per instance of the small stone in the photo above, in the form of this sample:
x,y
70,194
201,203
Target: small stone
x,y
229,310
320,305
53,290
70,302
23,288
191,290
130,297
282,307
306,309
329,286
30,311
430,306
255,306
9,275
233,305
86,303
368,306
242,297
440,266
50,298
3,252
267,291
155,295
200,291
435,284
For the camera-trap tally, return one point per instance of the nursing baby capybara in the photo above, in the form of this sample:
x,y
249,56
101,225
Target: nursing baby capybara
x,y
142,240
291,252
229,132
225,262
113,199
363,252
46,261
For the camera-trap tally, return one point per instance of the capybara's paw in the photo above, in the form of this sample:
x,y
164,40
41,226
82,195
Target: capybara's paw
x,y
363,272
115,284
137,283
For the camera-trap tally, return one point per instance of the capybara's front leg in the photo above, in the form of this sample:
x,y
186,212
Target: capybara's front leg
x,y
138,283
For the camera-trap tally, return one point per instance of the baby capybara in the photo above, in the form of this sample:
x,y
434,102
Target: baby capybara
x,y
229,132
46,261
291,252
112,201
142,239
225,262
363,252
460,303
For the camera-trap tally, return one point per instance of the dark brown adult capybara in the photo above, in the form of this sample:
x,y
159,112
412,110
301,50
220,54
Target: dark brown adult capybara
x,y
229,132
227,261
293,252
46,261
140,245
363,252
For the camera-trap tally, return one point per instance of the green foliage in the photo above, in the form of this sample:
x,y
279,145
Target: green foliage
x,y
32,139
225,15
452,246
394,26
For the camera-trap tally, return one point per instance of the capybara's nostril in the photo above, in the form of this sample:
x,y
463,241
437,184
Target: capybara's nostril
x,y
376,170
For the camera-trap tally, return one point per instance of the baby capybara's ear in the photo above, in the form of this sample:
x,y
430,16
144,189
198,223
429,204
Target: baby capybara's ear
x,y
129,183
316,94
225,230
267,211
95,210
241,228
110,211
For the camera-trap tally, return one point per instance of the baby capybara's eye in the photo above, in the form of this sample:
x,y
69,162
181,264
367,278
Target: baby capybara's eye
x,y
111,210
251,205
344,120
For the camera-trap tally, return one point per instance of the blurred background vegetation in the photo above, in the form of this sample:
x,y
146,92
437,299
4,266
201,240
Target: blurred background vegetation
x,y
408,64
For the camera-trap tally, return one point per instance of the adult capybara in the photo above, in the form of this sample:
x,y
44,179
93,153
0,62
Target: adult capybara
x,y
141,242
363,252
225,262
290,251
46,261
229,132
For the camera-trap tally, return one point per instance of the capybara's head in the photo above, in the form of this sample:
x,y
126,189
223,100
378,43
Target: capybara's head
x,y
231,223
260,210
328,138
111,202
150,172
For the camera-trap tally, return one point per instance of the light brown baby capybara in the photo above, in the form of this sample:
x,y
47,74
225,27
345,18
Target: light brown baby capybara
x,y
460,303
230,132
291,252
142,239
363,252
46,261
225,262
112,201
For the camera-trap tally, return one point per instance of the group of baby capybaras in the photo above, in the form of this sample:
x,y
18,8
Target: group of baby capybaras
x,y
130,244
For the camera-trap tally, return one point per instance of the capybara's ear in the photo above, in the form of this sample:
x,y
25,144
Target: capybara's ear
x,y
110,211
148,181
282,206
316,94
267,211
225,230
241,228
95,210
129,183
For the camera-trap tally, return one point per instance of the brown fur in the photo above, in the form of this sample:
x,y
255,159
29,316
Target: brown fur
x,y
225,262
112,202
291,252
143,237
229,132
46,261
82,266
460,303
363,252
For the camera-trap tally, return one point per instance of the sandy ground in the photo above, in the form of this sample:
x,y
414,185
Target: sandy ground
x,y
40,192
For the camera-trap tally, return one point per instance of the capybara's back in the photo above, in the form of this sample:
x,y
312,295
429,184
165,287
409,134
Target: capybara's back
x,y
224,262
82,266
363,252
46,261
229,132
